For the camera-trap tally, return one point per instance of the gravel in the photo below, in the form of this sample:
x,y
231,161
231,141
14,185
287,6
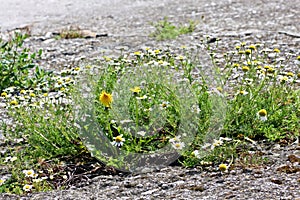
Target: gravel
x,y
115,26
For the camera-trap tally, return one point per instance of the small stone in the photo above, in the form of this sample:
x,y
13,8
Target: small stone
x,y
294,158
277,181
149,192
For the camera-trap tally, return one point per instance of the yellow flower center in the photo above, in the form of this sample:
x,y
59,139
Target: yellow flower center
x,y
245,68
118,139
223,167
3,94
262,113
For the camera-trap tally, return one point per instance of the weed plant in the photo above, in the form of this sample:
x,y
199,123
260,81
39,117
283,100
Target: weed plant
x,y
165,30
149,101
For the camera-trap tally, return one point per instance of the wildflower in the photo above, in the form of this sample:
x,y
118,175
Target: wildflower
x,y
276,50
223,167
245,68
14,102
105,98
135,90
248,51
283,79
298,75
271,70
291,74
216,143
32,94
298,58
118,141
237,47
2,180
77,68
241,52
196,154
262,114
243,44
206,145
27,188
252,47
137,53
4,94
180,57
164,104
142,133
196,109
141,98
236,65
219,89
178,145
29,173
243,92
156,51
175,139
37,180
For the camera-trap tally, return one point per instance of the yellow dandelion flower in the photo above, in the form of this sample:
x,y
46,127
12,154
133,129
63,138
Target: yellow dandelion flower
x,y
223,167
77,68
156,51
276,50
248,51
243,44
137,53
271,70
23,91
237,47
245,68
14,102
105,98
4,94
291,74
241,52
135,90
267,67
236,65
219,89
298,58
32,94
252,47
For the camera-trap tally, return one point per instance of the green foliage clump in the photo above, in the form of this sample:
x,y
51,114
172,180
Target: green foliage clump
x,y
18,66
165,30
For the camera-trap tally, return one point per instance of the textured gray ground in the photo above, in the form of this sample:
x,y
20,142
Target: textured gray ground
x,y
127,23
